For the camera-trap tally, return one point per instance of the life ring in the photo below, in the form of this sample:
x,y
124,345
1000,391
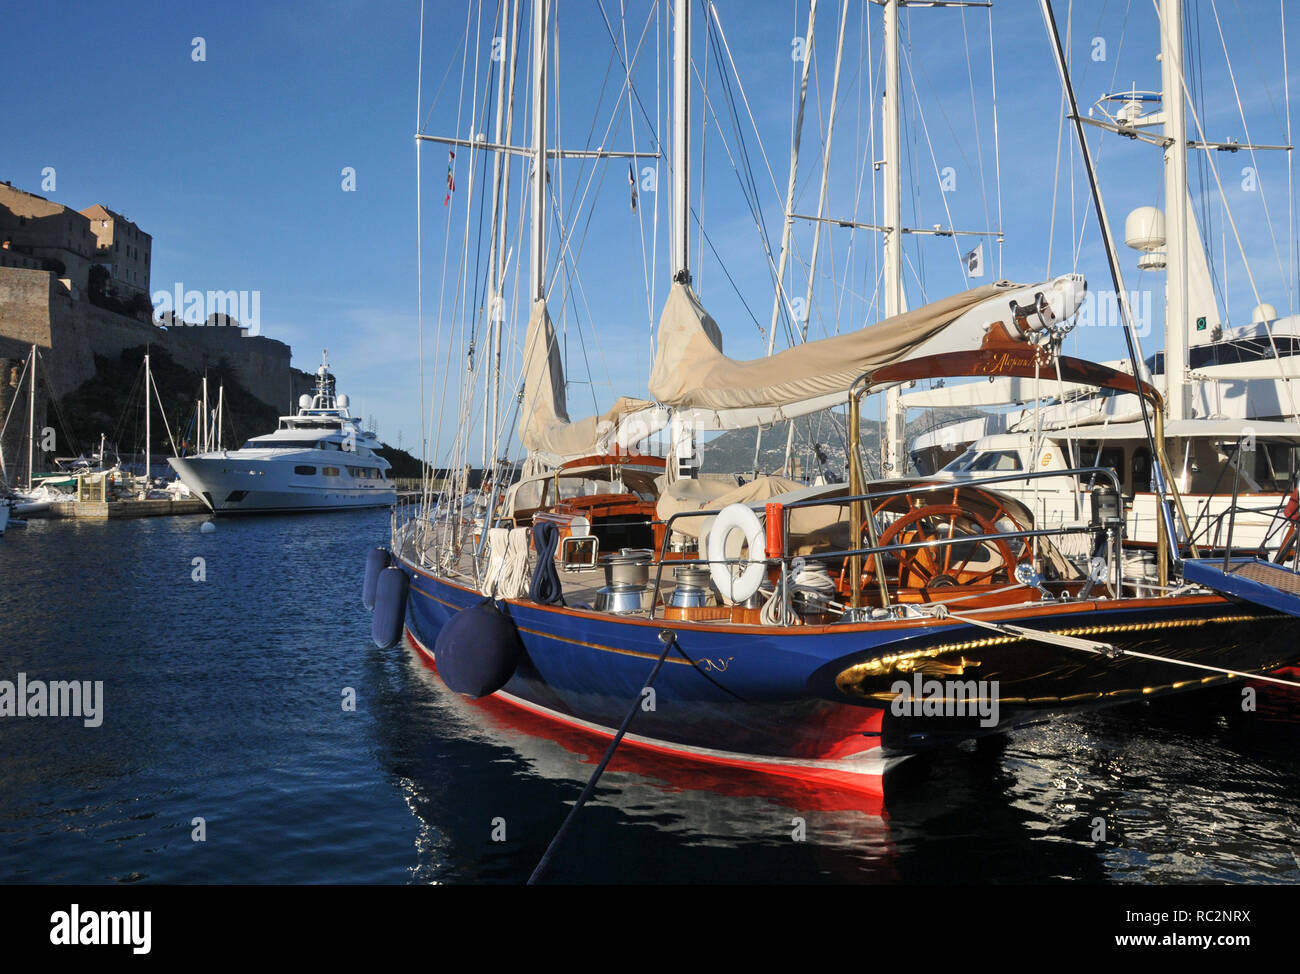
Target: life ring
x,y
737,588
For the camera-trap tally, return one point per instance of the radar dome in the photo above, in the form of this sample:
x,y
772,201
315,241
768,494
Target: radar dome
x,y
343,402
304,401
1144,229
1262,313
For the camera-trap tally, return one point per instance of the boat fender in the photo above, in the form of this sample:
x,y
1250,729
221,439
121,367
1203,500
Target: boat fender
x,y
376,561
389,620
736,588
478,650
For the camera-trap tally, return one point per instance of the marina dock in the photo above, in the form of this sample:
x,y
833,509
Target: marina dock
x,y
105,510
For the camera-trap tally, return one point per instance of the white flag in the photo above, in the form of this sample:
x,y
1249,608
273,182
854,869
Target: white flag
x,y
975,261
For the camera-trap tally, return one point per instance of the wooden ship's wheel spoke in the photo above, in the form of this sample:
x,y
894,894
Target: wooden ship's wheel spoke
x,y
978,561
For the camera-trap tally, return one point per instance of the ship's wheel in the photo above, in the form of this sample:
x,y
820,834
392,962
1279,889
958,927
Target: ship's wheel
x,y
982,560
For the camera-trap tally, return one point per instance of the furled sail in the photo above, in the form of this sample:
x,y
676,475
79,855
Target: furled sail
x,y
544,424
690,369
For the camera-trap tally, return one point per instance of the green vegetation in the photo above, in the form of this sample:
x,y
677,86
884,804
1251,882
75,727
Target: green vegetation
x,y
404,464
112,403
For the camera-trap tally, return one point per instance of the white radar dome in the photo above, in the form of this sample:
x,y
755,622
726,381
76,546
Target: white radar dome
x,y
1144,229
304,401
343,402
1263,312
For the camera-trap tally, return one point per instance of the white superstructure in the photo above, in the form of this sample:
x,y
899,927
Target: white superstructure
x,y
317,460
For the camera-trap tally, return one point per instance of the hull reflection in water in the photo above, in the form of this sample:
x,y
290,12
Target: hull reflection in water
x,y
584,745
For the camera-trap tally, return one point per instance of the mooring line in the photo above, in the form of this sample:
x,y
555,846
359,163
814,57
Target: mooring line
x,y
669,639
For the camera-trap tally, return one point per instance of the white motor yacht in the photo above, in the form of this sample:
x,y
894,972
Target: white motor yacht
x,y
317,460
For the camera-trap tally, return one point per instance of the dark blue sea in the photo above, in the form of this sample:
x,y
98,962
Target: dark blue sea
x,y
223,701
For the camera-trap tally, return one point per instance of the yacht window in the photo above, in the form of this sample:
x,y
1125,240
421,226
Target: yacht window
x,y
1141,470
1275,465
1000,461
305,470
330,471
961,463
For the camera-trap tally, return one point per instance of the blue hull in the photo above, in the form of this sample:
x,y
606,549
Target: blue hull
x,y
819,698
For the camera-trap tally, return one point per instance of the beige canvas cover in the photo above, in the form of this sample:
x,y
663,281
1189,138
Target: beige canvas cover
x,y
713,495
544,425
691,370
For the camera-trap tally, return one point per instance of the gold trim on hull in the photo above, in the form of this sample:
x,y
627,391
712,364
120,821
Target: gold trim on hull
x,y
926,661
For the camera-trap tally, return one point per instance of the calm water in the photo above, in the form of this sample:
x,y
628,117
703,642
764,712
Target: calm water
x,y
223,700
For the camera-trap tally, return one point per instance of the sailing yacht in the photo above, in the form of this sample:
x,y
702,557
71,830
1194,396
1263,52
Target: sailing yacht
x,y
780,620
319,459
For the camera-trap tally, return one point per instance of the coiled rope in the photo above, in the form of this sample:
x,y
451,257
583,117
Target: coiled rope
x,y
515,569
812,580
546,588
498,539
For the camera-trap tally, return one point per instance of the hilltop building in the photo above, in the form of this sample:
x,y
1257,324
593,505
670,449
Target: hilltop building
x,y
77,285
54,237
122,249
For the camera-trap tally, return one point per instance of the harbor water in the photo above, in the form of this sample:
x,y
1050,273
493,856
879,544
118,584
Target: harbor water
x,y
249,732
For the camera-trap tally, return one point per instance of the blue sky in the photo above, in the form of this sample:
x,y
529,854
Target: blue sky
x,y
234,164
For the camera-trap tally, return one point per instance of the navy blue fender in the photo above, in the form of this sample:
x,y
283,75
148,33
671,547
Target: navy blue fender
x,y
376,561
389,620
478,650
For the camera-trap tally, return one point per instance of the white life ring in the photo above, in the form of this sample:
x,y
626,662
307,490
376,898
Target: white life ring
x,y
737,588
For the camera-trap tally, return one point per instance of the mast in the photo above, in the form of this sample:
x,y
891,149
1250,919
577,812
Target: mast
x,y
681,145
496,266
788,228
203,427
821,208
537,275
790,184
1177,390
31,420
221,401
891,443
148,429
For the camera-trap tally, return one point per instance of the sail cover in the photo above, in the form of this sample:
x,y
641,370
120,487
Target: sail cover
x,y
544,424
691,371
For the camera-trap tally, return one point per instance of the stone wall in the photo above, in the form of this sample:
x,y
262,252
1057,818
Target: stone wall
x,y
36,309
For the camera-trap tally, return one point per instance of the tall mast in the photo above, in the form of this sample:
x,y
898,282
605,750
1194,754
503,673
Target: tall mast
x,y
31,420
148,428
790,184
537,277
203,425
221,401
891,443
821,208
497,266
893,188
788,227
1177,390
681,141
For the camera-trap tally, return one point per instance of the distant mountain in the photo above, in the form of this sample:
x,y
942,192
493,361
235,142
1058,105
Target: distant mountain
x,y
733,451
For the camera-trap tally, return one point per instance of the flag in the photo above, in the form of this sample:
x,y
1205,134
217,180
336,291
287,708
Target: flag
x,y
975,261
451,177
631,181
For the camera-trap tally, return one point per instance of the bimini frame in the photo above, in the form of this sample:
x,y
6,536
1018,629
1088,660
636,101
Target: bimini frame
x,y
1001,355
